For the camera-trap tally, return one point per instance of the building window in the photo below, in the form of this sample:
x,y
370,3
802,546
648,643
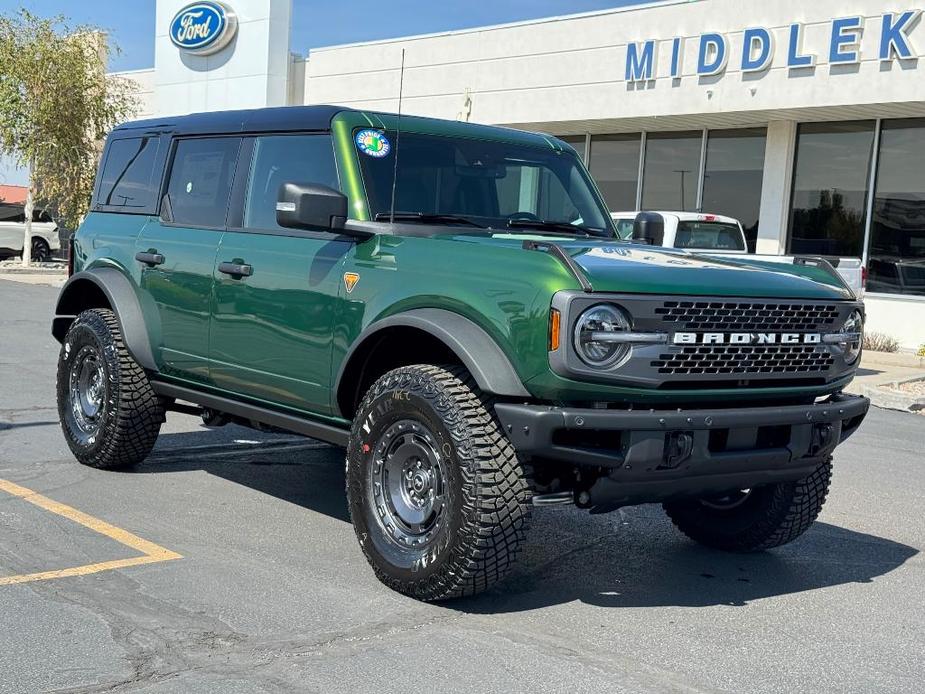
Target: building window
x,y
732,177
672,171
578,144
614,164
828,209
896,260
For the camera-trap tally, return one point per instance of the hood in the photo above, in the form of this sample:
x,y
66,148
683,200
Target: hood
x,y
631,268
635,269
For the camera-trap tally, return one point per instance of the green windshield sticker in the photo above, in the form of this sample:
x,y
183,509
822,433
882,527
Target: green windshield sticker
x,y
373,143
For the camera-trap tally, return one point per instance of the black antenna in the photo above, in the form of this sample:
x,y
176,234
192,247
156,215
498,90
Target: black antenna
x,y
401,84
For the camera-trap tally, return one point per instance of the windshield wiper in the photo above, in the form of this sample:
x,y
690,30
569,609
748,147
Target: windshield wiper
x,y
550,226
427,218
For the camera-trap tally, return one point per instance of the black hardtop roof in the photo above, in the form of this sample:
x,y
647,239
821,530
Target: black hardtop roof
x,y
285,118
251,120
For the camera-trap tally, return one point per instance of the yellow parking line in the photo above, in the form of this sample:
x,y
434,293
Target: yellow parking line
x,y
150,552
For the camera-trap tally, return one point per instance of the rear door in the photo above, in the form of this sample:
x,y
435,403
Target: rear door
x,y
176,253
12,229
272,319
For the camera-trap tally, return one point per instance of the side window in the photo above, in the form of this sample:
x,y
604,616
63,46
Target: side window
x,y
200,180
12,213
126,180
281,159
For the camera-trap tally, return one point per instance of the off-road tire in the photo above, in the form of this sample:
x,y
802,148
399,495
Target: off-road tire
x,y
130,414
771,516
488,491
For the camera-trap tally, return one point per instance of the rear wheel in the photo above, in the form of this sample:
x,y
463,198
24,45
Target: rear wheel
x,y
751,520
438,498
40,251
109,413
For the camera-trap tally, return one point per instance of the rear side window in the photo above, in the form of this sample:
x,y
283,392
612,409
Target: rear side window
x,y
12,213
16,214
200,180
282,159
717,236
126,181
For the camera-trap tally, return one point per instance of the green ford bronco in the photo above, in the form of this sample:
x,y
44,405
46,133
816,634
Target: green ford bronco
x,y
449,302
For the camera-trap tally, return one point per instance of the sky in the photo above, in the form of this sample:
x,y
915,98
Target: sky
x,y
315,23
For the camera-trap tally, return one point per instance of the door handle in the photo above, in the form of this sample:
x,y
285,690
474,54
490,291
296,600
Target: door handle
x,y
150,258
236,269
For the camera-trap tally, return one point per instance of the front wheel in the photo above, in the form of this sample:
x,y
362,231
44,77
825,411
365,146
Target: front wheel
x,y
438,498
756,519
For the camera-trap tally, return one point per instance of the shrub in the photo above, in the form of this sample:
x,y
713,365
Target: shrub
x,y
921,352
878,342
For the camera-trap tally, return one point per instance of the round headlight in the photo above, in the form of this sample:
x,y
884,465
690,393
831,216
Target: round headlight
x,y
591,336
853,330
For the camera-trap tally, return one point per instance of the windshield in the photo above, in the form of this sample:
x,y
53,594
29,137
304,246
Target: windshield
x,y
717,236
496,185
624,228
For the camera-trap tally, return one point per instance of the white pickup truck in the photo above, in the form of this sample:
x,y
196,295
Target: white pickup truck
x,y
716,235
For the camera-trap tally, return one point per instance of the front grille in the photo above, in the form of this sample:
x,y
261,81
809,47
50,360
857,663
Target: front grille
x,y
748,316
745,360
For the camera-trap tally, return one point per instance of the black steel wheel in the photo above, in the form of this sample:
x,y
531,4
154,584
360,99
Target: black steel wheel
x,y
438,498
752,520
109,413
406,485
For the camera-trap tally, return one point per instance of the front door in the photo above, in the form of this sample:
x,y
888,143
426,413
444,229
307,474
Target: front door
x,y
177,254
276,289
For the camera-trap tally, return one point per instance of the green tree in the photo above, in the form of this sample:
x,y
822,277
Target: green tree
x,y
56,105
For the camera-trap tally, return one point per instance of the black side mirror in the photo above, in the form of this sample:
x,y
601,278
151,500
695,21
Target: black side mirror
x,y
311,206
649,227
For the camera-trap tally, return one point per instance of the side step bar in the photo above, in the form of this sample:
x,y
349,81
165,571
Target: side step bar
x,y
298,425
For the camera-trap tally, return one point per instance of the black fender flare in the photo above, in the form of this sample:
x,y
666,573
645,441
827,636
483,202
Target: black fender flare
x,y
122,297
479,353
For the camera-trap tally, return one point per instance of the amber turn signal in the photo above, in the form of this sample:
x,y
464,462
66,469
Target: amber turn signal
x,y
554,325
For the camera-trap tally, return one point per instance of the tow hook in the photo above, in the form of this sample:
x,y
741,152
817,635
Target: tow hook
x,y
823,438
678,447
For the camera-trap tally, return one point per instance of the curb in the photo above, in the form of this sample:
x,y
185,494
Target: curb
x,y
888,396
907,360
34,270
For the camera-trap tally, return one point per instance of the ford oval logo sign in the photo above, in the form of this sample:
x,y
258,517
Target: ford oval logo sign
x,y
202,28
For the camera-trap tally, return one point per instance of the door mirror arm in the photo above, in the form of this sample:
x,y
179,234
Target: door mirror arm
x,y
314,207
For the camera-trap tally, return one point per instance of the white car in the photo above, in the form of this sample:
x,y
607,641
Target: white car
x,y
45,239
718,236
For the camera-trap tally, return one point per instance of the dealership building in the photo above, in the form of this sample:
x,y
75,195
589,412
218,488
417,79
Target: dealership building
x,y
805,120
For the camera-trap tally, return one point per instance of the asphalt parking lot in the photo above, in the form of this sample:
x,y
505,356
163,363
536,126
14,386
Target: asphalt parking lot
x,y
227,563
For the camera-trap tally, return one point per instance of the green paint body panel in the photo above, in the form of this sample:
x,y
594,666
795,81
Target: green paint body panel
x,y
280,336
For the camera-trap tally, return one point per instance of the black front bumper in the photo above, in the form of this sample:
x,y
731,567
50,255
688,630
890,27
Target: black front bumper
x,y
653,455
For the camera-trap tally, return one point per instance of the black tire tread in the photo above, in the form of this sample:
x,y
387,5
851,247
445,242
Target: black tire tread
x,y
792,508
139,412
497,513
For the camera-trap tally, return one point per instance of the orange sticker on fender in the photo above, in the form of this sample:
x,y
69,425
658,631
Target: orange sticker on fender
x,y
350,280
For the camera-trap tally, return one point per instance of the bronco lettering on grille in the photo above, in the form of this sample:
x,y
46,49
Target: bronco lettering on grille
x,y
747,338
